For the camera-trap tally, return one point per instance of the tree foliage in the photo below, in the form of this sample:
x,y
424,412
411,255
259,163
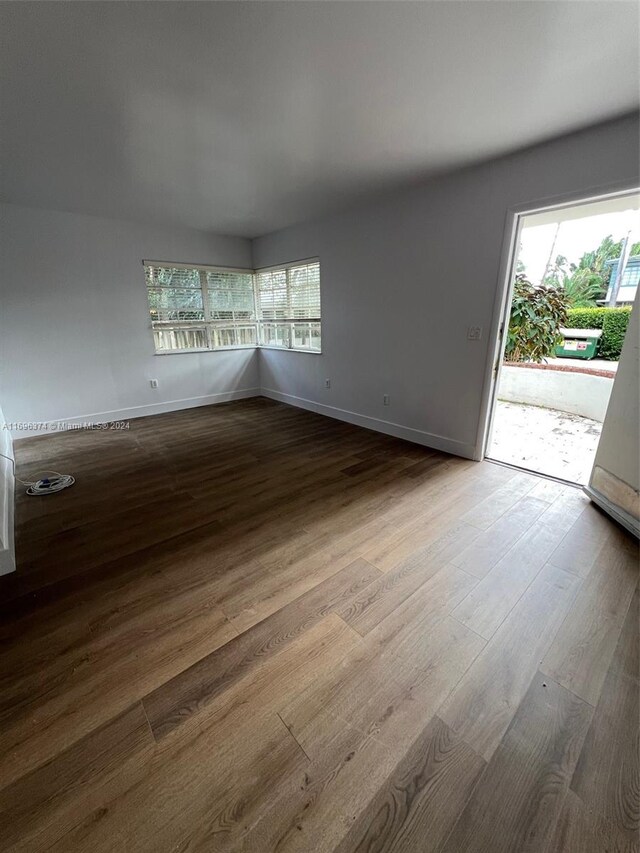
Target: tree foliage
x,y
584,287
537,313
588,280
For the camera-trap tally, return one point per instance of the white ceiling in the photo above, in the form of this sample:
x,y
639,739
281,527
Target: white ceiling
x,y
245,117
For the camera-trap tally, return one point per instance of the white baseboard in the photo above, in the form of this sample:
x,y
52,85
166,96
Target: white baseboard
x,y
617,513
138,412
438,442
427,439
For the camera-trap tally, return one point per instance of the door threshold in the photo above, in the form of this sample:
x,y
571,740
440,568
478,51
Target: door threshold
x,y
536,473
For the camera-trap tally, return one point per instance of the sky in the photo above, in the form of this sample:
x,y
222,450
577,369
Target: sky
x,y
574,239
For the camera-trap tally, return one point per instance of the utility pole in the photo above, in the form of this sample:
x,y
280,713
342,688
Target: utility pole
x,y
550,258
622,265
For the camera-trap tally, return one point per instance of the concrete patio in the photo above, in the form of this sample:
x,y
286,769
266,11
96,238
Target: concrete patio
x,y
556,443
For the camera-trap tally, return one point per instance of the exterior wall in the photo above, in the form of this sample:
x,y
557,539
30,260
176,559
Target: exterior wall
x,y
579,393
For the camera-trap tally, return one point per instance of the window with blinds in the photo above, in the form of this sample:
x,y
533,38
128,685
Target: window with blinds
x,y
288,300
201,308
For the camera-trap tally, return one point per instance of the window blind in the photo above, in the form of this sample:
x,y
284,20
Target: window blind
x,y
289,306
198,308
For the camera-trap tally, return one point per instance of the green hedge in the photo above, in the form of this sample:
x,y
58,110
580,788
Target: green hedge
x,y
612,321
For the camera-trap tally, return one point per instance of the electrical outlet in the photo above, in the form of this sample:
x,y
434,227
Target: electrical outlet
x,y
474,333
327,383
153,383
386,400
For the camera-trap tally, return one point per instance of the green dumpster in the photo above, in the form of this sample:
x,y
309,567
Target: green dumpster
x,y
578,343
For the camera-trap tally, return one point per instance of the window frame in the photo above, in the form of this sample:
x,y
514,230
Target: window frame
x,y
206,323
291,321
257,323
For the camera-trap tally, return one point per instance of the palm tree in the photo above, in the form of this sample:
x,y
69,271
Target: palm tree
x,y
587,281
584,288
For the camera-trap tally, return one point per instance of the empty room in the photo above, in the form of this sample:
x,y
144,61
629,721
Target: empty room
x,y
268,273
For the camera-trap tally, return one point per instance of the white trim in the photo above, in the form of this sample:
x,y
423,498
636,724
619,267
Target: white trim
x,y
200,350
417,436
7,484
289,265
140,411
181,265
237,346
588,195
177,265
290,349
499,324
617,513
504,285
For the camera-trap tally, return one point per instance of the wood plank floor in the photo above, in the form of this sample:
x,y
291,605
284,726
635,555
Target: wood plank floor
x,y
251,628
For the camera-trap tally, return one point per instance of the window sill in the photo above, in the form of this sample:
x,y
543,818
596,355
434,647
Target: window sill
x,y
292,349
228,349
202,350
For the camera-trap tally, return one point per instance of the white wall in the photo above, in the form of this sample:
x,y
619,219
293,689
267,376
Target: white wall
x,y
403,278
75,340
615,480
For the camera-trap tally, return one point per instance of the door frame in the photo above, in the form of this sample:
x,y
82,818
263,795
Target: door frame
x,y
504,290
